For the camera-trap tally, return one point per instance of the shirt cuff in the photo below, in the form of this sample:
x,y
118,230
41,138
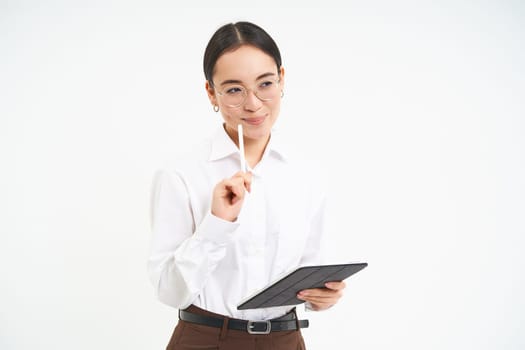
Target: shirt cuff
x,y
308,307
217,230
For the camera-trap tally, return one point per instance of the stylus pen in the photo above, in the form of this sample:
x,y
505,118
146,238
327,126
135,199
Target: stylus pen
x,y
241,147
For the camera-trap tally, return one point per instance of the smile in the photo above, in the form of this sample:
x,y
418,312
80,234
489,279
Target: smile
x,y
254,121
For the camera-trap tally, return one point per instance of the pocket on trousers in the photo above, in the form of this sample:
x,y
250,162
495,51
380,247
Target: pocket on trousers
x,y
196,337
175,336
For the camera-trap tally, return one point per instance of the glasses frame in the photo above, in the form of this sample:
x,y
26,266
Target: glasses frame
x,y
245,93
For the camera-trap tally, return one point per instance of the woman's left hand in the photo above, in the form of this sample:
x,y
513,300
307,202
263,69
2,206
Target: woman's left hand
x,y
323,298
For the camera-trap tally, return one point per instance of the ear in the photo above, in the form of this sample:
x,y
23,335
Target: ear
x,y
281,77
211,93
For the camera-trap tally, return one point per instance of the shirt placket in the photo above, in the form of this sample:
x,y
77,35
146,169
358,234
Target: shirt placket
x,y
255,261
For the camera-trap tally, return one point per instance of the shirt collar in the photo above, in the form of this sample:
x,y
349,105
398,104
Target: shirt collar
x,y
222,145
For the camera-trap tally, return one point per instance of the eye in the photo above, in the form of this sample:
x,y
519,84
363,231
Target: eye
x,y
233,90
266,84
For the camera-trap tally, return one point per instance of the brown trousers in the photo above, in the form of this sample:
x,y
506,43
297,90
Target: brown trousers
x,y
191,336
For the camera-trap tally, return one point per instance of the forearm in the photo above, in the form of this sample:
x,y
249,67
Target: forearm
x,y
180,275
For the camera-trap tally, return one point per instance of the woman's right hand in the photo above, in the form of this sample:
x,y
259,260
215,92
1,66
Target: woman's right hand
x,y
228,196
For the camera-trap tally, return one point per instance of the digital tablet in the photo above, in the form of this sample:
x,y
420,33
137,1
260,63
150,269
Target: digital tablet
x,y
284,291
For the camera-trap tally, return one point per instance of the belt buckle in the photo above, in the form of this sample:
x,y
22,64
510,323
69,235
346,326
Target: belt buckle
x,y
251,324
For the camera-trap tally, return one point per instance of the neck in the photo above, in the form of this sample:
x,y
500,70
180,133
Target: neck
x,y
253,148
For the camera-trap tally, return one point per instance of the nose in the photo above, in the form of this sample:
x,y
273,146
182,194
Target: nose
x,y
252,102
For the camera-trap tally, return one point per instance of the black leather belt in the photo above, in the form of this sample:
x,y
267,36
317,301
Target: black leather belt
x,y
286,323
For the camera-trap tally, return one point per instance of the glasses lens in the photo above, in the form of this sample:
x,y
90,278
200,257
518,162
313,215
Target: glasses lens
x,y
235,95
267,90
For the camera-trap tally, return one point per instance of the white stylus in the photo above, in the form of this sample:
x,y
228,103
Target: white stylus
x,y
241,147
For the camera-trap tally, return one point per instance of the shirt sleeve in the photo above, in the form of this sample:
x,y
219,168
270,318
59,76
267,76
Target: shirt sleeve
x,y
183,253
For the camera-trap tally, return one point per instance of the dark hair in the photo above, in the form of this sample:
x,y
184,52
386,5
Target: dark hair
x,y
230,37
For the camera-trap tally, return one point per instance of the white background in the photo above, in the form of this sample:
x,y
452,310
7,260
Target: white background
x,y
414,109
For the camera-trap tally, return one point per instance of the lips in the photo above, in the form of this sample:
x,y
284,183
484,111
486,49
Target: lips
x,y
254,120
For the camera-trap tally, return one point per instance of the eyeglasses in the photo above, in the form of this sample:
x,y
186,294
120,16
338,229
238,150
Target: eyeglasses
x,y
234,95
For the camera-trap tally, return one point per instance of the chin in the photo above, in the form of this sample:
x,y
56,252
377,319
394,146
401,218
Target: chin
x,y
258,133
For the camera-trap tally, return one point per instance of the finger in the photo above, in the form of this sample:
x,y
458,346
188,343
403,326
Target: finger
x,y
335,285
236,189
320,295
246,178
248,181
329,286
320,299
315,300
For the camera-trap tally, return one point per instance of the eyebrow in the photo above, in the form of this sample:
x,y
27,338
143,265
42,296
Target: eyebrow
x,y
233,81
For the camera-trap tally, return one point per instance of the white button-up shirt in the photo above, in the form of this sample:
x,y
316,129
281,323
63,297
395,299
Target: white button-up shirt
x,y
197,258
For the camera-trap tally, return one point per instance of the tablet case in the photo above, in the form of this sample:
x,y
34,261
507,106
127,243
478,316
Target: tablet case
x,y
284,291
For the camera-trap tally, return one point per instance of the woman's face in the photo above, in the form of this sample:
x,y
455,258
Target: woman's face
x,y
249,68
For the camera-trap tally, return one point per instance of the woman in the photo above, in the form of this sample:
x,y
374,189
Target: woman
x,y
219,234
